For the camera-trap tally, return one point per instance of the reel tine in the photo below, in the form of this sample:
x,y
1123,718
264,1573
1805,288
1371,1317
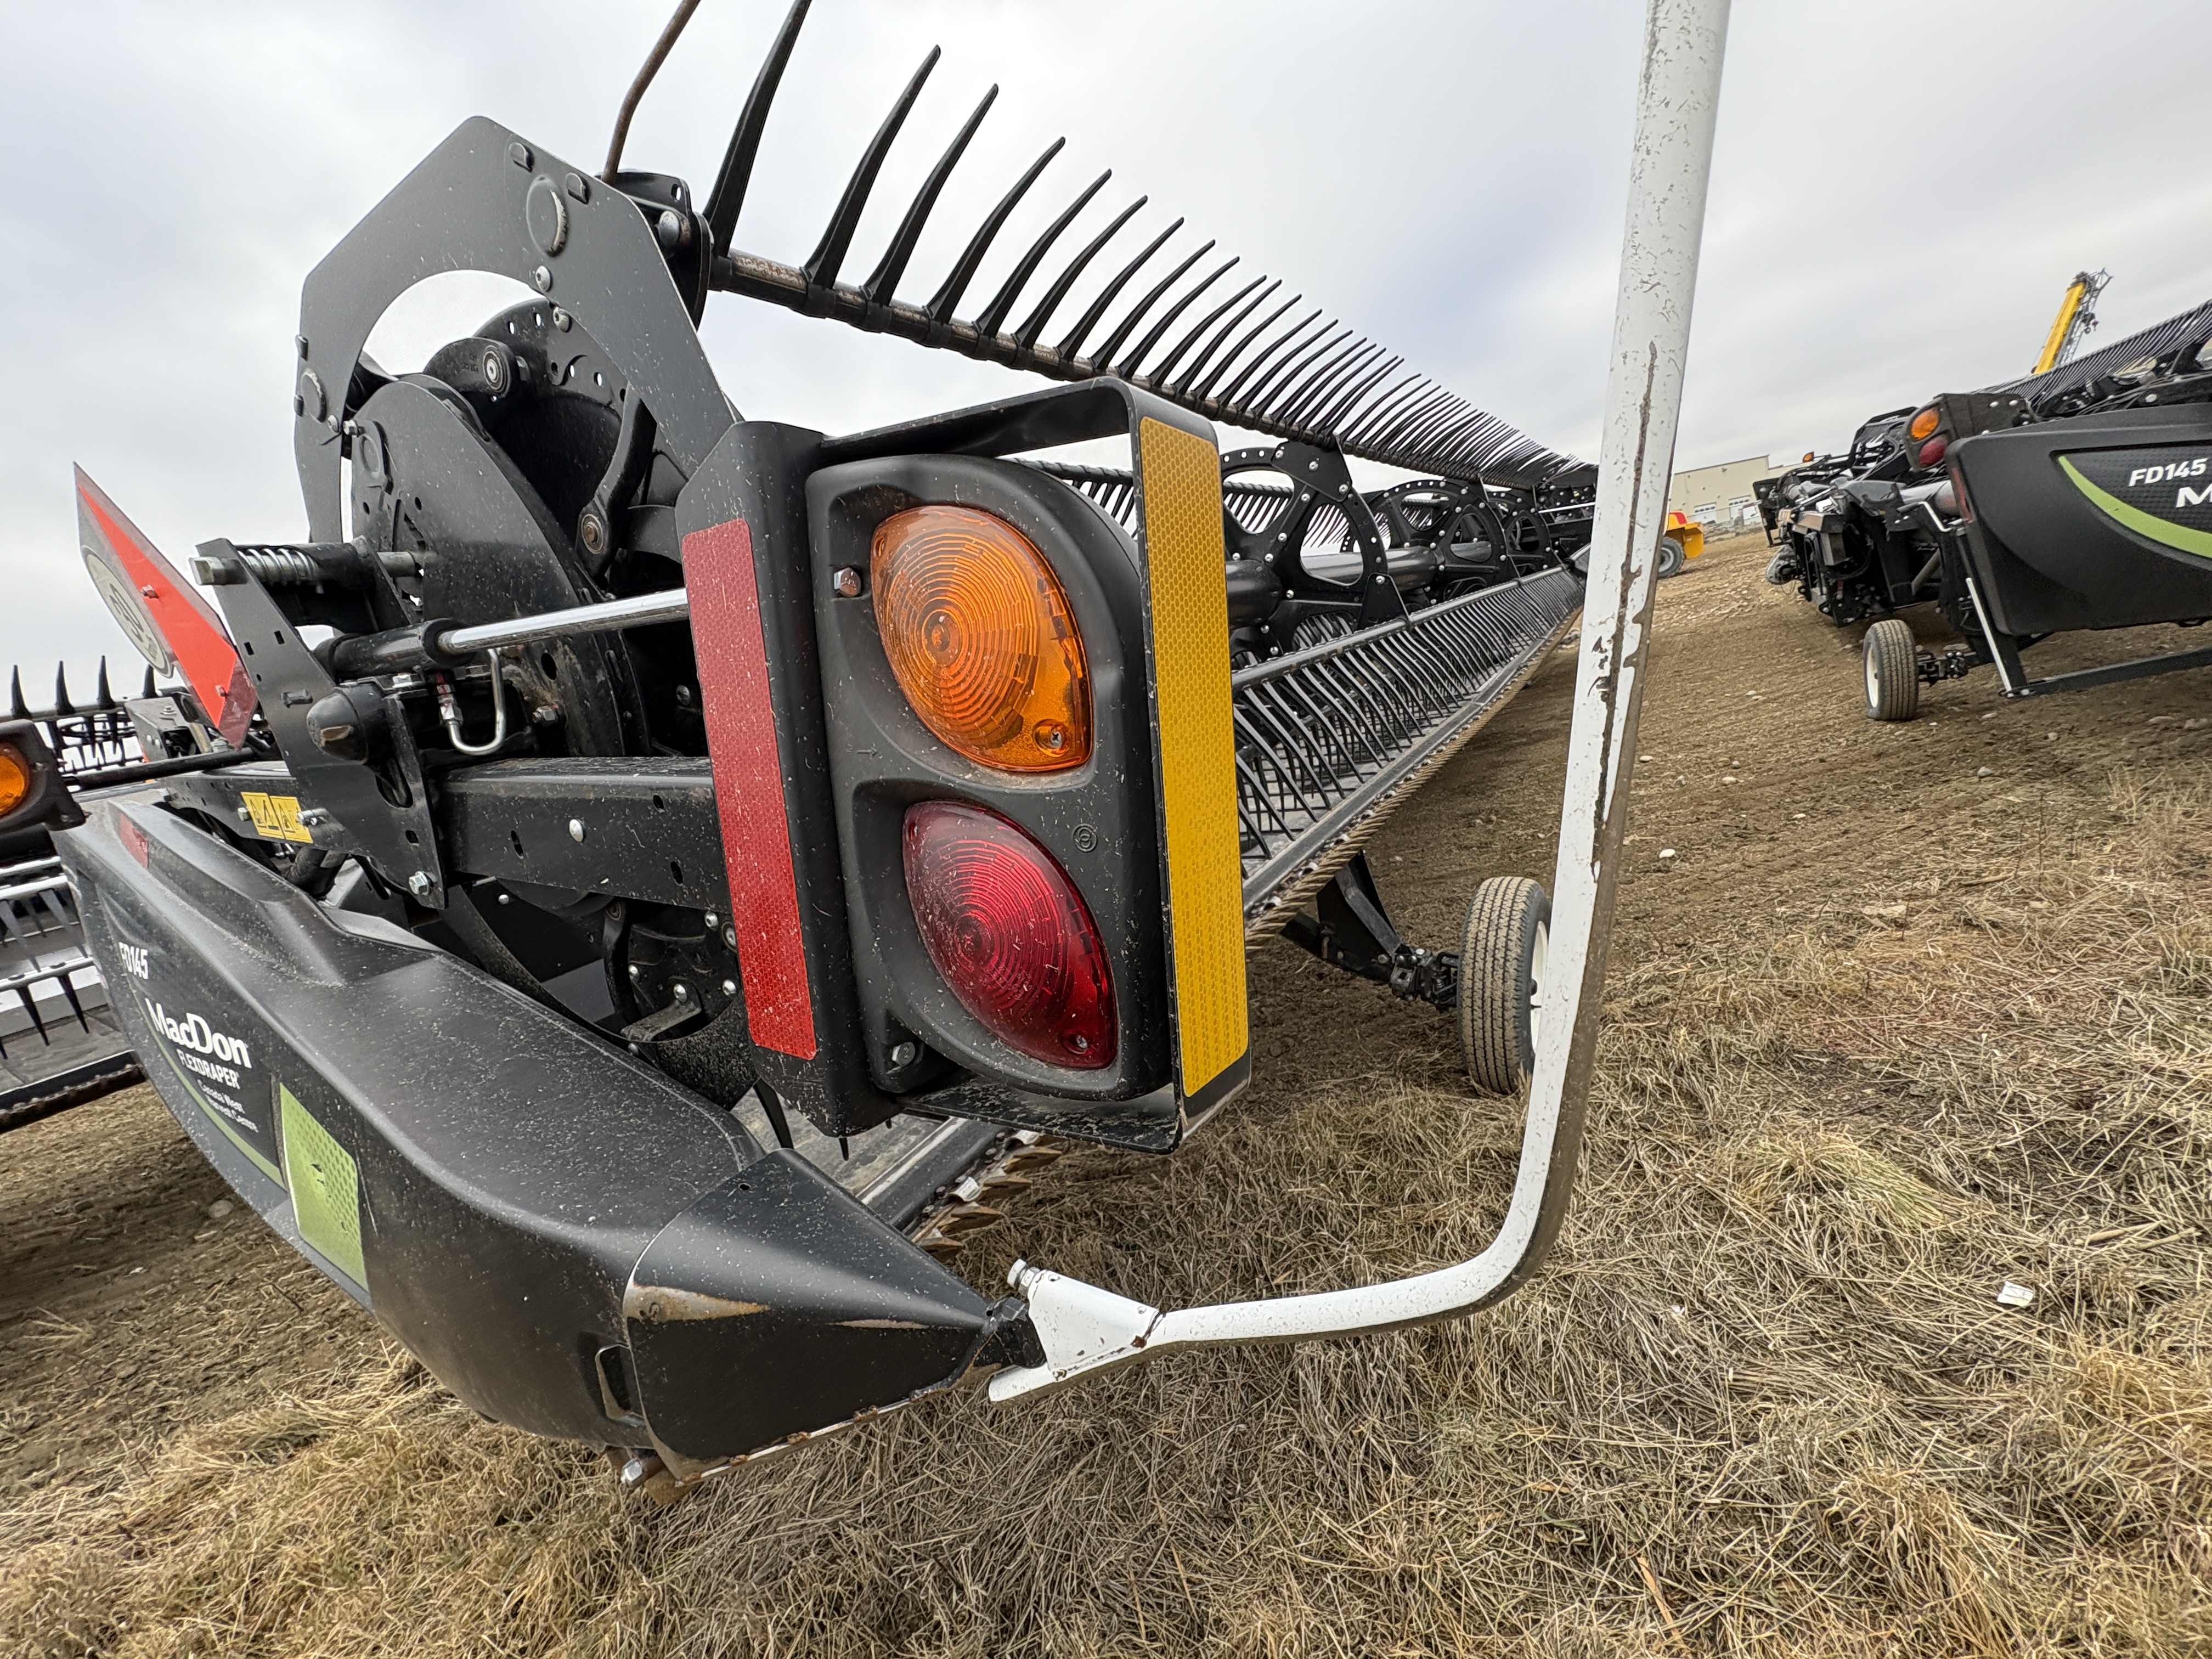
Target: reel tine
x,y
69,992
1346,388
1038,318
1364,425
105,697
1228,398
1066,348
1294,402
1191,335
728,196
1430,412
1204,387
1435,426
1137,311
963,268
1182,386
988,319
62,703
822,270
880,287
1345,407
31,1007
1128,364
651,67
17,709
1264,393
149,690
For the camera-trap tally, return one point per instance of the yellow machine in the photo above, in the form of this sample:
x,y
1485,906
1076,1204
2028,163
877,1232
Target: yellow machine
x,y
1682,540
2076,316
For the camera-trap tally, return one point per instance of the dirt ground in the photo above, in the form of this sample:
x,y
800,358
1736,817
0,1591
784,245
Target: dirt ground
x,y
1897,1015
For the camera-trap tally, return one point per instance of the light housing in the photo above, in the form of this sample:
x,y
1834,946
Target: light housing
x,y
16,778
980,639
32,790
1924,424
1009,934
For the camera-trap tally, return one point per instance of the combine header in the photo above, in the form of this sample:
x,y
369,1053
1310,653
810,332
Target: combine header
x,y
647,882
2078,498
59,1043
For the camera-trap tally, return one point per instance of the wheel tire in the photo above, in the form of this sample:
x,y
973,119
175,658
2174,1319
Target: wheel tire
x,y
1670,557
1892,672
1501,974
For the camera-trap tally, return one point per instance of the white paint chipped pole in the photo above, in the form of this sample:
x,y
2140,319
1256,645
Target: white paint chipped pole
x,y
1085,1329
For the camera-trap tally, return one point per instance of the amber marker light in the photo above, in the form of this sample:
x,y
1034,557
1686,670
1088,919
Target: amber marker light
x,y
981,640
1923,425
15,778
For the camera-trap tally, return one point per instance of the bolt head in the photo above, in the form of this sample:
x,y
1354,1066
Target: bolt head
x,y
729,988
849,582
541,280
420,883
682,991
591,532
730,938
906,1054
713,920
575,829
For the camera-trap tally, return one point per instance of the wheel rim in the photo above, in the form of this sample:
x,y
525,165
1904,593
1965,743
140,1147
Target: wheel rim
x,y
1873,679
1536,957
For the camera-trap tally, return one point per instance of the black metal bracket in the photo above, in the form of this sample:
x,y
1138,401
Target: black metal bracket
x,y
1953,664
1353,931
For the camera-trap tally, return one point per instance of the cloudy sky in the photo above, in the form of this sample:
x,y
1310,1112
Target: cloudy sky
x,y
1900,192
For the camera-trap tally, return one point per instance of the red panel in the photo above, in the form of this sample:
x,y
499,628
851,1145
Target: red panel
x,y
195,634
749,779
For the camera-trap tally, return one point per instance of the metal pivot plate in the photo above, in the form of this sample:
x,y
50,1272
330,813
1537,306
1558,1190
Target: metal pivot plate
x,y
475,203
395,835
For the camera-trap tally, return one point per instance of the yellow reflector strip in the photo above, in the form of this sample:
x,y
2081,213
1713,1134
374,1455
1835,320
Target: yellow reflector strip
x,y
1184,557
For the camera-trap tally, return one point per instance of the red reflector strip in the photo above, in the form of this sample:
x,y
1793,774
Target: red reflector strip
x,y
748,785
194,633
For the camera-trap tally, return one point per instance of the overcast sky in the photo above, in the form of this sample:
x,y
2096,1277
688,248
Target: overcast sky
x,y
1900,194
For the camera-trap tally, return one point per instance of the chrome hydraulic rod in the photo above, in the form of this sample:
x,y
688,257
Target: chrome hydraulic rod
x,y
442,644
641,610
1084,1328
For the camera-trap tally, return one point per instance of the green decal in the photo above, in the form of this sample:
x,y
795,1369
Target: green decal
x,y
2178,537
326,1189
219,1120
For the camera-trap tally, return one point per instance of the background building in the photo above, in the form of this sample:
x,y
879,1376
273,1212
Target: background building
x,y
1720,495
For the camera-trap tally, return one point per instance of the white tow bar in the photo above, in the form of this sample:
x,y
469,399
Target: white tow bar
x,y
1084,1328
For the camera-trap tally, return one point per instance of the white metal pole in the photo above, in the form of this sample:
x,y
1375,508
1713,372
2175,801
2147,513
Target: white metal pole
x,y
1678,99
1084,1329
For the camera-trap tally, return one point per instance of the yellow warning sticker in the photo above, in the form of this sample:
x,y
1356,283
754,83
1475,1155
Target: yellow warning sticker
x,y
276,817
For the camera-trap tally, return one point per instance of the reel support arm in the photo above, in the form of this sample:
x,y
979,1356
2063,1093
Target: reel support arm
x,y
1084,1329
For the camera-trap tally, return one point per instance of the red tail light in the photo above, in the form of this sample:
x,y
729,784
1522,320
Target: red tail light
x,y
1932,451
1009,933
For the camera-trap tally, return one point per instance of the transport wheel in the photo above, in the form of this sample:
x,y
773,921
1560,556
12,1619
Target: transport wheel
x,y
1670,557
1892,672
1501,981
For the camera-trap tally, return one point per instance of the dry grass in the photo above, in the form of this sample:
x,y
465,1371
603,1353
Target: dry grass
x,y
1763,1400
